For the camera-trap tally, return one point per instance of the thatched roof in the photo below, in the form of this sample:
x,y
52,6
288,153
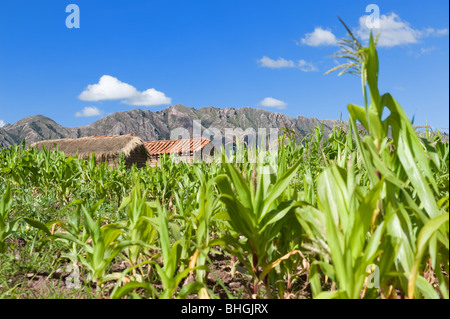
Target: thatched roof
x,y
105,147
176,146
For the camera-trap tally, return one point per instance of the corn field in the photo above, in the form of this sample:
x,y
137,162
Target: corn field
x,y
362,213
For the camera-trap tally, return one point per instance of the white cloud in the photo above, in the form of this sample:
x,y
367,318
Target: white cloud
x,y
395,31
441,32
267,62
89,111
149,97
307,66
433,32
111,88
108,88
319,37
423,51
271,102
2,123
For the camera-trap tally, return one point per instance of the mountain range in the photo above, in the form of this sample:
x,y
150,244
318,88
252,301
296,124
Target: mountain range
x,y
158,125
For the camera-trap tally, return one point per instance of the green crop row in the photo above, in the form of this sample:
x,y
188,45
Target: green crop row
x,y
363,213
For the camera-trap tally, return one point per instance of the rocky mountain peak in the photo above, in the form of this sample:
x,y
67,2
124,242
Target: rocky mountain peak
x,y
157,125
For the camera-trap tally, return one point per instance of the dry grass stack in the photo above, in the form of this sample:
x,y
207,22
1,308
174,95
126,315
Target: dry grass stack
x,y
106,148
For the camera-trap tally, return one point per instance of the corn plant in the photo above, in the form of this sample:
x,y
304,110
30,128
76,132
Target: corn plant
x,y
138,226
347,216
171,273
401,192
202,218
93,245
7,226
257,210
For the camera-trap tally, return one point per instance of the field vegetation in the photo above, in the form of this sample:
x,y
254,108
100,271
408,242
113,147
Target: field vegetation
x,y
362,213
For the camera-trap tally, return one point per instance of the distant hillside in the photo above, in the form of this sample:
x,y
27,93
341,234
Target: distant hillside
x,y
157,125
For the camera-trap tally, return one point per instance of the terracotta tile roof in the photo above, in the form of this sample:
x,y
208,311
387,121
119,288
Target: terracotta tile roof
x,y
176,146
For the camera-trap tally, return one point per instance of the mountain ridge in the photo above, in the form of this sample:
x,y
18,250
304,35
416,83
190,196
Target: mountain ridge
x,y
157,125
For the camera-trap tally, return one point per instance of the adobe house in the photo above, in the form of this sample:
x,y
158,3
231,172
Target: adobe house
x,y
106,148
183,149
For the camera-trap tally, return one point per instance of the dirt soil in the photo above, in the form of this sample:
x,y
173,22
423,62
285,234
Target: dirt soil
x,y
57,285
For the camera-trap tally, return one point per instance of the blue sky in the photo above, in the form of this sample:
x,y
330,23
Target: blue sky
x,y
270,54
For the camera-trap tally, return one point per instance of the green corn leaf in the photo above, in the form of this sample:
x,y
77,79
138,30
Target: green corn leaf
x,y
334,208
171,264
412,156
333,194
426,288
190,288
70,238
163,231
240,217
365,155
312,221
276,215
131,286
242,190
362,220
338,294
279,187
423,238
314,280
125,202
91,227
373,244
372,155
372,68
37,224
5,203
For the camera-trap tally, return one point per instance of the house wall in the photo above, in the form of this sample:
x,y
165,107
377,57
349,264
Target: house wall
x,y
189,158
154,160
138,157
